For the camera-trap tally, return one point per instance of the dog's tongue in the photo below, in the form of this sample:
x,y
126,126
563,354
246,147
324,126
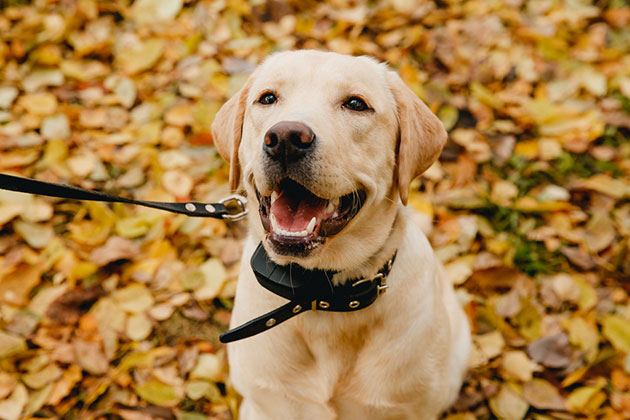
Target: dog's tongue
x,y
293,210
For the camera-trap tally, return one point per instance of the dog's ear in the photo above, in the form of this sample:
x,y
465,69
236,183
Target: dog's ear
x,y
227,129
421,135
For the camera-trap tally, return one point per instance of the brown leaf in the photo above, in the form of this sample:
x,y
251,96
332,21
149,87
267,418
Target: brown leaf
x,y
543,395
116,248
68,308
90,357
15,287
553,351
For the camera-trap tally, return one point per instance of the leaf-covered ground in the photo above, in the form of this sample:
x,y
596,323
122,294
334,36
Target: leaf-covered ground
x,y
114,311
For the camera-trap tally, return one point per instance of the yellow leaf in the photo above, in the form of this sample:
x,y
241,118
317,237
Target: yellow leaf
x,y
140,57
584,335
617,331
214,276
528,149
159,393
420,203
588,295
605,184
530,204
574,376
586,399
529,321
507,404
517,365
134,298
82,270
485,96
209,366
11,345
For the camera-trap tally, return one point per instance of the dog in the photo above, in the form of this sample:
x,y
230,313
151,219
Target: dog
x,y
325,145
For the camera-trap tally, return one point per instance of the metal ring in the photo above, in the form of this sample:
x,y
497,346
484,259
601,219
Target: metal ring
x,y
354,304
296,309
237,201
270,322
323,304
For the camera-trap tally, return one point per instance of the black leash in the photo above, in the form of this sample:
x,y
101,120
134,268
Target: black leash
x,y
305,289
230,208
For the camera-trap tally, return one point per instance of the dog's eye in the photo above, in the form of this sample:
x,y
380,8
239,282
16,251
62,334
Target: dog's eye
x,y
355,103
267,98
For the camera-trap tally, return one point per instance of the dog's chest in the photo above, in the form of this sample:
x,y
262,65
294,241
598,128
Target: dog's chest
x,y
341,354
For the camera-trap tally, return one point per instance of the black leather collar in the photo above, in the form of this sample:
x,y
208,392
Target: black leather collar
x,y
306,290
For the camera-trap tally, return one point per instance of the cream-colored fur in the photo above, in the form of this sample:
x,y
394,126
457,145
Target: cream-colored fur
x,y
403,357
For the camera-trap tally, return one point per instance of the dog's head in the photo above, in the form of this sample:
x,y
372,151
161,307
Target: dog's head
x,y
324,144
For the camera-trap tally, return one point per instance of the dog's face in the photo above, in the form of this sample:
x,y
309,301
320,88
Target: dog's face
x,y
322,143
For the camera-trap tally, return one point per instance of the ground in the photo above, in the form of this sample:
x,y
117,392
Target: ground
x,y
114,311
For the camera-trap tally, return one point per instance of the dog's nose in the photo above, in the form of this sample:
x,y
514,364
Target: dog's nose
x,y
288,141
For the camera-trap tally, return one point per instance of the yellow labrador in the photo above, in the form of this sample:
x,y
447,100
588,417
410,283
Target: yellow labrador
x,y
325,146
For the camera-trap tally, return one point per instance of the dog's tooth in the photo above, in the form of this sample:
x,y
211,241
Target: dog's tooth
x,y
331,207
311,225
335,214
274,196
274,223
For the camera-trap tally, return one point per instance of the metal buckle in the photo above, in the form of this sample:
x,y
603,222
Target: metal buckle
x,y
236,205
382,288
368,280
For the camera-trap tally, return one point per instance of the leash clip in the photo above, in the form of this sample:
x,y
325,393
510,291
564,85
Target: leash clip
x,y
236,205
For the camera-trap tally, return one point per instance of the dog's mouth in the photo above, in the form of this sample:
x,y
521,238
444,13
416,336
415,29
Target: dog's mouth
x,y
297,221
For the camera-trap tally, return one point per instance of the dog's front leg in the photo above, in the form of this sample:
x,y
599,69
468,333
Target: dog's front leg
x,y
271,406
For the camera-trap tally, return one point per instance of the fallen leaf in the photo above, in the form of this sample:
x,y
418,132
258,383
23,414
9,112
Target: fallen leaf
x,y
116,248
617,330
159,393
517,365
70,377
134,298
11,345
36,235
36,380
599,232
90,357
553,351
507,404
155,11
15,287
139,57
542,395
586,399
11,408
212,281
67,308
209,367
487,346
138,326
605,184
584,335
